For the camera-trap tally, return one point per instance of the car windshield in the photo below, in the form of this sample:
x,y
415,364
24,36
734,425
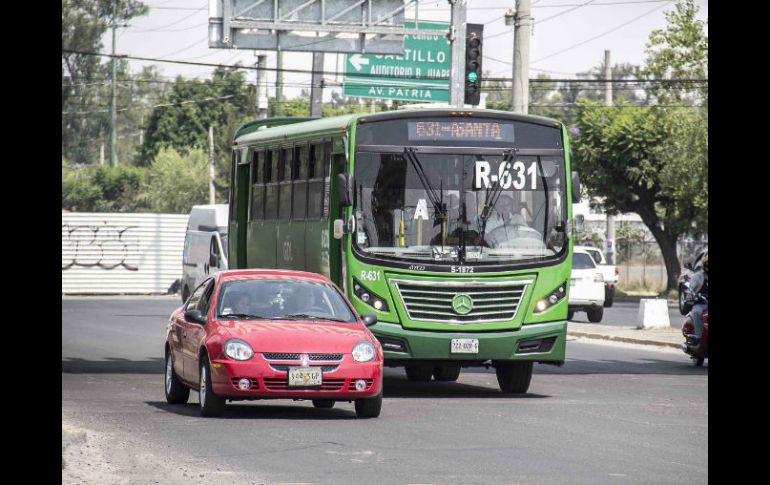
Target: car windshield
x,y
445,207
282,299
582,261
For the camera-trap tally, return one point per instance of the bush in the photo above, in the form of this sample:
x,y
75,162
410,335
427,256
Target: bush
x,y
175,183
101,188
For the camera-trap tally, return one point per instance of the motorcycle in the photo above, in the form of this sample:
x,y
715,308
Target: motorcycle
x,y
698,351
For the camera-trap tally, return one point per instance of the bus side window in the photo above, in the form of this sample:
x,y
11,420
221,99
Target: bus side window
x,y
327,161
315,182
257,187
300,182
231,198
271,185
284,197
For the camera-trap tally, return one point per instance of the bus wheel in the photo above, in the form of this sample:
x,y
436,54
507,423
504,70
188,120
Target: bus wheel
x,y
420,372
513,377
447,373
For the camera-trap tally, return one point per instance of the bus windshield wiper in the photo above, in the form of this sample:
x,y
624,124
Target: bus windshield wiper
x,y
241,316
493,194
435,199
306,316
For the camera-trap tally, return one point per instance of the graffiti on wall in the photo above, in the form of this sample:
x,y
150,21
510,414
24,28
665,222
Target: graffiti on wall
x,y
102,246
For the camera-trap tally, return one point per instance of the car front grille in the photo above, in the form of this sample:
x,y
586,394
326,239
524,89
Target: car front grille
x,y
285,367
281,384
296,356
431,301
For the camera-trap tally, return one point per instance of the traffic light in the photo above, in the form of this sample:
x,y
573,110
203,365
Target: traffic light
x,y
474,34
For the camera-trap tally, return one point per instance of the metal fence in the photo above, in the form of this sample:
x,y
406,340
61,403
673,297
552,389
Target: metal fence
x,y
113,253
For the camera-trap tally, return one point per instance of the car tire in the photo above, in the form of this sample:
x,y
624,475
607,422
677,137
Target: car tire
x,y
698,361
609,297
418,373
185,294
446,373
323,403
176,392
369,408
570,314
211,405
595,314
514,377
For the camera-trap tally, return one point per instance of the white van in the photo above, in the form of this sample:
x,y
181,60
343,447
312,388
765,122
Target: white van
x,y
205,245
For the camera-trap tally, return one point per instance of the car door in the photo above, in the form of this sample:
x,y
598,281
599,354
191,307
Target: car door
x,y
184,327
196,333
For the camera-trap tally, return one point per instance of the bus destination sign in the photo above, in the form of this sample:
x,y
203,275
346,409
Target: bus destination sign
x,y
460,131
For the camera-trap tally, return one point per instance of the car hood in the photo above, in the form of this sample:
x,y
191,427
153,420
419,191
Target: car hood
x,y
298,336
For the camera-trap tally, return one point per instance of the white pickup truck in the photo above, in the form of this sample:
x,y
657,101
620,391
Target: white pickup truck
x,y
610,272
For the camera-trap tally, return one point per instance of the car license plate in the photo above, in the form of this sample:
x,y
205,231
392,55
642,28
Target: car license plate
x,y
305,377
465,346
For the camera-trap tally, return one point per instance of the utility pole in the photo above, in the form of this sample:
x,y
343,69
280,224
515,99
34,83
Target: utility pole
x,y
211,165
522,31
317,84
113,109
261,87
610,239
279,84
457,38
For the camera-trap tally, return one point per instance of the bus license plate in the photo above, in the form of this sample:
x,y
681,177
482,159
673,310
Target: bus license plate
x,y
305,377
465,346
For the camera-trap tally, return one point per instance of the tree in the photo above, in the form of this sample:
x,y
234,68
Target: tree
x,y
100,188
175,183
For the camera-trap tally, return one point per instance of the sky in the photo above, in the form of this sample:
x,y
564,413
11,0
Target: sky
x,y
582,29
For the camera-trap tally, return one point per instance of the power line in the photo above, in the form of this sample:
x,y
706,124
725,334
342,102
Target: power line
x,y
158,29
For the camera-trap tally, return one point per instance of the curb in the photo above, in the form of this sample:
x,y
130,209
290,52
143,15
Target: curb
x,y
624,339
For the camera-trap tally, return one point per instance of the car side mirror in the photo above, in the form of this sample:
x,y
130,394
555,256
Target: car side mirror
x,y
345,189
369,319
575,188
194,316
214,260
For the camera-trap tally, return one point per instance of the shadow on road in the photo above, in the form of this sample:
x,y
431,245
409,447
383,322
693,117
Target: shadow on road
x,y
260,410
612,366
400,387
113,365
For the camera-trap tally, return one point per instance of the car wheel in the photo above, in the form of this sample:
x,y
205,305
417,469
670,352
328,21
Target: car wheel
x,y
420,373
369,408
514,377
570,314
211,404
697,361
609,297
185,294
176,392
595,314
323,403
446,373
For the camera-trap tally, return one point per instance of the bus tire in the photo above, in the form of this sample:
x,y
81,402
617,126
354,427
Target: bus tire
x,y
369,408
514,376
418,372
446,373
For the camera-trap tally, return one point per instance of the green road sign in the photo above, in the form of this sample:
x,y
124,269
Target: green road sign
x,y
409,77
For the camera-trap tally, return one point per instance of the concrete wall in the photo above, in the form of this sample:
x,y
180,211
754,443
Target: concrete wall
x,y
113,253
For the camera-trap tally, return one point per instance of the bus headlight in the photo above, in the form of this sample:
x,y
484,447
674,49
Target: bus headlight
x,y
551,299
368,297
363,352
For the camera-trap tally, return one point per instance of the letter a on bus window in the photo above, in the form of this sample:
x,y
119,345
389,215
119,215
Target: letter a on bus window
x,y
421,212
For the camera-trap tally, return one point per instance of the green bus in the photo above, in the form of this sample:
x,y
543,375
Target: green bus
x,y
451,227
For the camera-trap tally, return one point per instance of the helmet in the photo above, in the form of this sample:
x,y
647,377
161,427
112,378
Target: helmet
x,y
705,263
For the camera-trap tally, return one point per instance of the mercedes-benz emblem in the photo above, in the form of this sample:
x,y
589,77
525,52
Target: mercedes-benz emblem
x,y
462,304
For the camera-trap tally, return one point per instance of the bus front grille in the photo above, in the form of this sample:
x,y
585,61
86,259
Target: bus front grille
x,y
432,301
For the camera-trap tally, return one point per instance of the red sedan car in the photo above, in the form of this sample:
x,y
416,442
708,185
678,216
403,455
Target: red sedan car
x,y
272,334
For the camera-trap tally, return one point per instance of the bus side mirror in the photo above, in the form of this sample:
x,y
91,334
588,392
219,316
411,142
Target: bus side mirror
x,y
575,188
345,189
369,319
339,228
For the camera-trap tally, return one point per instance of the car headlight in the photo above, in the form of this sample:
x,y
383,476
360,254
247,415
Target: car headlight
x,y
553,298
237,349
363,352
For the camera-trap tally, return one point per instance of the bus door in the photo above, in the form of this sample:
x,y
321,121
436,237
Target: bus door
x,y
239,208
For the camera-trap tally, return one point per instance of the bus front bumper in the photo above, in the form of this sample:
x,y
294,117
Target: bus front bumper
x,y
541,342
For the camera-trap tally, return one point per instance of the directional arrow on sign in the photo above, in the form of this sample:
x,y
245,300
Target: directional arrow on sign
x,y
358,60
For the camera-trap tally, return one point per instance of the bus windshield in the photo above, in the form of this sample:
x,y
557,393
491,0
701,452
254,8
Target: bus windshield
x,y
459,207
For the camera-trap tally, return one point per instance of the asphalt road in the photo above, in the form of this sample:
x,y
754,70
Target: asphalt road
x,y
611,414
624,314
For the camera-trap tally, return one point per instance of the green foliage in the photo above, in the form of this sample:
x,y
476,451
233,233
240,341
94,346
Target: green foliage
x,y
101,188
176,182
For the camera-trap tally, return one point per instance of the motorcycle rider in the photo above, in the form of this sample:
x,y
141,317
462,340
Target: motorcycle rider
x,y
699,285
